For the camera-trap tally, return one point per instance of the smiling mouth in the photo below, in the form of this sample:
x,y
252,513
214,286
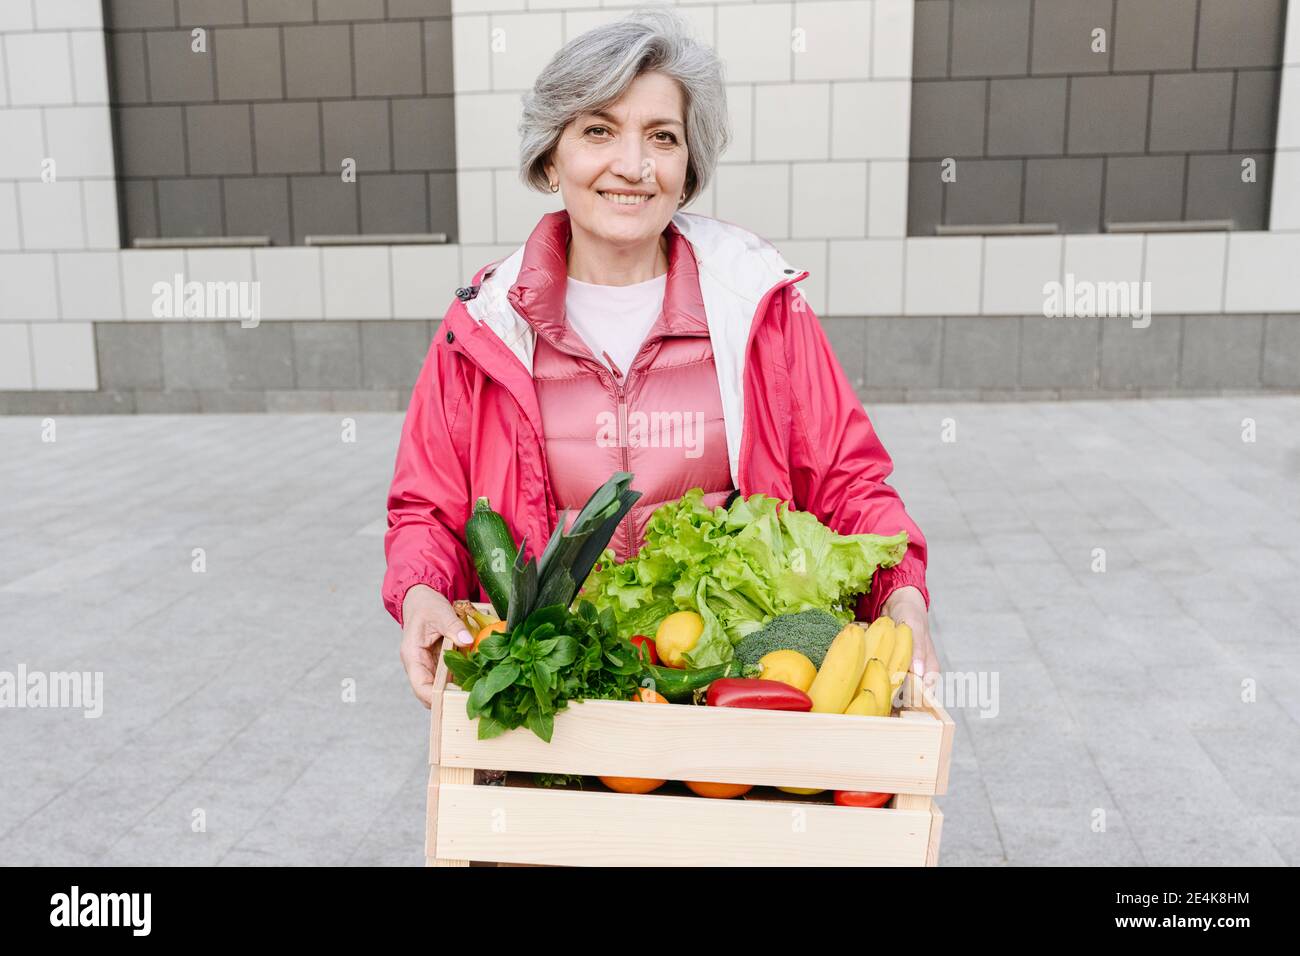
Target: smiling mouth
x,y
622,199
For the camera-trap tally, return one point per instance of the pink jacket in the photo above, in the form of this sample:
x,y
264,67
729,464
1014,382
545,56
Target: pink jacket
x,y
794,427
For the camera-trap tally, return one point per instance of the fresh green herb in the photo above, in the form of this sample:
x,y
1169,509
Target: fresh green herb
x,y
557,779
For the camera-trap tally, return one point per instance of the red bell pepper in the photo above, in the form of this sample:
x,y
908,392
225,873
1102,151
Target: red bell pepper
x,y
757,694
861,798
645,649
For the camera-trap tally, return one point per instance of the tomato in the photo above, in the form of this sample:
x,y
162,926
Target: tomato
x,y
645,646
861,798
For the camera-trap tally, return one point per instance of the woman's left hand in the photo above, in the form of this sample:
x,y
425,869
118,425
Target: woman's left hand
x,y
906,605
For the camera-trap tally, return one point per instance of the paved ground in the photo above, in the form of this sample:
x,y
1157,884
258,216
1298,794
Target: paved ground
x,y
226,739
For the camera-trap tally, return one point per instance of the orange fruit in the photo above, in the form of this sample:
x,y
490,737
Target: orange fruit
x,y
495,627
637,784
721,791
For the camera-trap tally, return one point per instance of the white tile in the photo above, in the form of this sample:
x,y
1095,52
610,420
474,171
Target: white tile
x,y
1186,272
871,119
89,68
1103,258
63,356
699,17
887,198
1288,112
578,22
483,6
563,4
808,256
891,40
754,41
99,197
40,69
24,144
15,357
866,277
80,140
475,201
31,293
51,215
68,14
1015,270
290,282
219,265
791,121
474,258
9,239
521,44
1261,272
756,196
1291,45
90,285
832,40
518,208
357,283
828,200
16,15
487,134
471,39
943,276
1285,211
740,110
4,83
142,269
425,279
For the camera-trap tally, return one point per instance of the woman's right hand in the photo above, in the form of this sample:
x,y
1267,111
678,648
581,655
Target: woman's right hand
x,y
427,618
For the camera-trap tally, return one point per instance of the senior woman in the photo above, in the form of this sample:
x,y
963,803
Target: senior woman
x,y
625,335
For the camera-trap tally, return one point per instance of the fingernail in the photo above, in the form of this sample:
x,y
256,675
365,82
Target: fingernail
x,y
464,638
918,666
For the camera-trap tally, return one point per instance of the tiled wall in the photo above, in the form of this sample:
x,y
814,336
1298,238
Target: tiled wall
x,y
1046,130
248,137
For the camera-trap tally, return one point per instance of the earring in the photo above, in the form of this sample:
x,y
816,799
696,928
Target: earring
x,y
555,187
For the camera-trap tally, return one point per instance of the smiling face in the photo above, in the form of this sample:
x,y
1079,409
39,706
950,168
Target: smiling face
x,y
622,169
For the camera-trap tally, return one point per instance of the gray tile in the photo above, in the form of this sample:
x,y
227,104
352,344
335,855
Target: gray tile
x,y
930,38
189,207
1064,191
1221,351
127,68
424,134
260,357
141,211
210,13
388,58
358,130
986,191
1062,38
141,13
298,400
393,202
222,402
1190,111
990,38
1282,351
1144,188
368,400
248,64
1215,189
400,9
1141,358
318,61
1027,117
847,336
442,205
1108,114
176,73
392,353
281,11
130,354
1233,33
327,355
151,140
924,198
152,402
980,352
220,139
1154,34
438,58
350,9
323,206
66,403
258,206
194,356
948,118
1058,353
1254,120
287,137
903,352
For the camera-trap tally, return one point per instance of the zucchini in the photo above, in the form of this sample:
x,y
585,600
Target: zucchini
x,y
678,685
493,552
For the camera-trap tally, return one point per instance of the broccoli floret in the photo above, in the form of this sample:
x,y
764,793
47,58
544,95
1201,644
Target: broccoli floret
x,y
808,632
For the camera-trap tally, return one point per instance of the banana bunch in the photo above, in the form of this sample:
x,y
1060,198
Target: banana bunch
x,y
474,619
863,670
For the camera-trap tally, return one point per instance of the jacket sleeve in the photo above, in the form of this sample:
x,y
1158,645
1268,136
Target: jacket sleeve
x,y
838,465
429,499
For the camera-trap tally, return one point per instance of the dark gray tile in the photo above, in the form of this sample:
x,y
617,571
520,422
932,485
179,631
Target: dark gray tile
x,y
141,209
948,118
1254,122
1064,191
1144,188
211,13
1134,358
141,13
904,352
986,191
1059,353
1108,114
443,205
127,68
367,400
398,9
358,130
259,357
392,353
438,76
220,139
66,403
189,207
980,352
930,38
1221,351
1062,38
924,197
1233,33
323,206
848,338
394,202
318,61
151,140
176,73
248,64
990,38
388,58
223,402
130,354
1154,34
298,400
1027,117
1190,111
1215,189
424,133
258,206
350,9
150,402
1281,351
287,137
194,356
327,354
281,11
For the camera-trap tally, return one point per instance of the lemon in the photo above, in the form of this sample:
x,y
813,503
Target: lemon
x,y
677,634
789,667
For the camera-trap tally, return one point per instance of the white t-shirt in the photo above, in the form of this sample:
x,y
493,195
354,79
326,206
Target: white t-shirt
x,y
614,319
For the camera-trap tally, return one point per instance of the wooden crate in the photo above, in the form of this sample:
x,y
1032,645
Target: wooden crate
x,y
521,823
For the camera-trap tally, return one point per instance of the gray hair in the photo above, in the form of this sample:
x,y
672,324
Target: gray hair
x,y
593,70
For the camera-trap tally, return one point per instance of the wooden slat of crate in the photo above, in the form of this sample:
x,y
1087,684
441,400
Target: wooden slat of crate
x,y
525,825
